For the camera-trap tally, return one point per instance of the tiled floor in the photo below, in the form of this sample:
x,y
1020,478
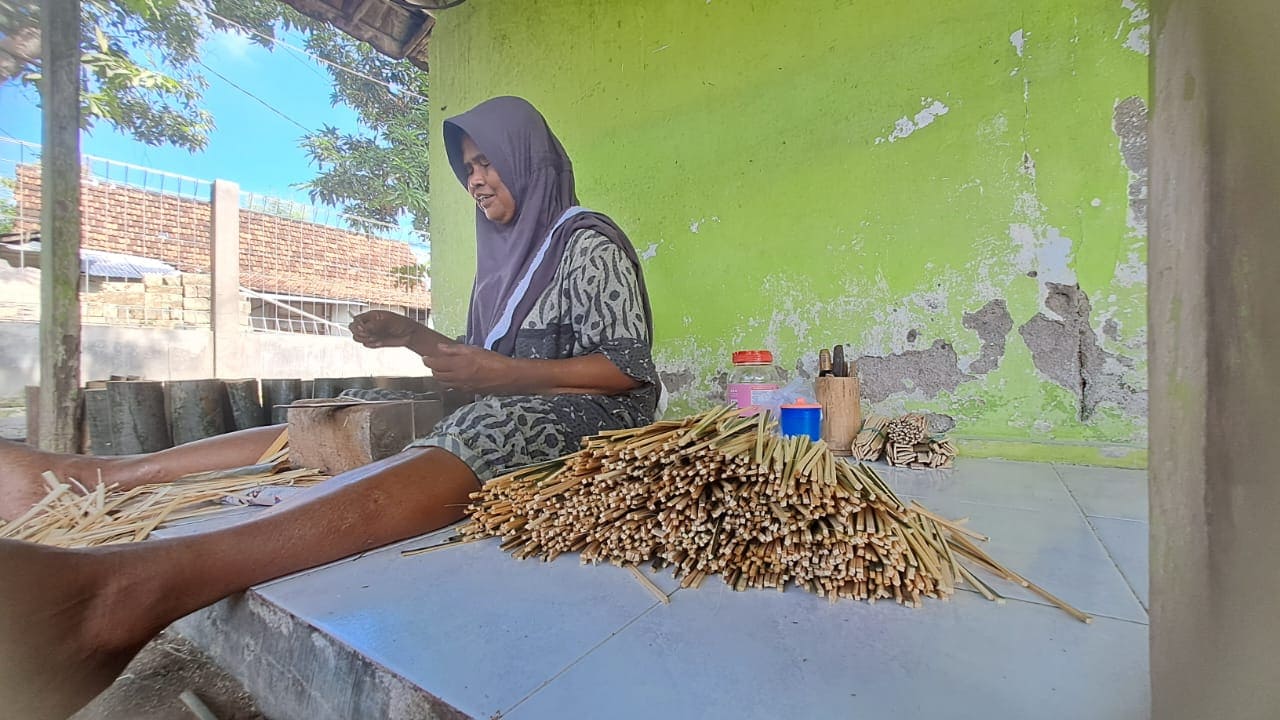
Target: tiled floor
x,y
491,635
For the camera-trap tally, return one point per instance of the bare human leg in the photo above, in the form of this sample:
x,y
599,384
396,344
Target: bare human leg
x,y
70,620
21,465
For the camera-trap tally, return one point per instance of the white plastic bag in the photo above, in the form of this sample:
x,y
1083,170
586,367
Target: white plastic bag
x,y
797,388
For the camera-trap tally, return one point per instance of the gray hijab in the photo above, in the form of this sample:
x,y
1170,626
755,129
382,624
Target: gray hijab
x,y
534,167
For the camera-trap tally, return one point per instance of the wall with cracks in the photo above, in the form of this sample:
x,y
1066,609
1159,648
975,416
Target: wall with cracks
x,y
955,191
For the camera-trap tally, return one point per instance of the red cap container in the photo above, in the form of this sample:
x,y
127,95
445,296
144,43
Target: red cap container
x,y
752,357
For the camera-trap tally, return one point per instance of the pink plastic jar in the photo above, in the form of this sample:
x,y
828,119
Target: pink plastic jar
x,y
753,374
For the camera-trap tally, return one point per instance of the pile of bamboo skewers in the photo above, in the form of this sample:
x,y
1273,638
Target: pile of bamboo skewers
x,y
71,515
721,494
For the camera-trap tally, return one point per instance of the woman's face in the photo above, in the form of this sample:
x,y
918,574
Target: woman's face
x,y
485,186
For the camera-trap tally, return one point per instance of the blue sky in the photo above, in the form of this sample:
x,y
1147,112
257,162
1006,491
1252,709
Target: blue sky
x,y
251,145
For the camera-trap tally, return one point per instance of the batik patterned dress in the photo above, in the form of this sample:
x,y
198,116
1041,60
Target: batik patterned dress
x,y
593,305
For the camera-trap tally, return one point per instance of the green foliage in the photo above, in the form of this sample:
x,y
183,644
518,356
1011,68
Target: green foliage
x,y
382,175
411,277
8,208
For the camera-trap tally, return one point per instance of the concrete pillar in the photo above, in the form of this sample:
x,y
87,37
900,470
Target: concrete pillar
x,y
224,255
59,413
1215,360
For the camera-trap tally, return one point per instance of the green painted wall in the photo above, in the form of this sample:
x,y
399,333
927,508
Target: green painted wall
x,y
846,171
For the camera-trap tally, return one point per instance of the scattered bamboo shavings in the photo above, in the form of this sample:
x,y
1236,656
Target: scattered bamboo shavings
x,y
108,515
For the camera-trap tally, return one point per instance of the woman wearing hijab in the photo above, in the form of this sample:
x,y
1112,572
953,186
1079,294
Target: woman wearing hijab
x,y
557,347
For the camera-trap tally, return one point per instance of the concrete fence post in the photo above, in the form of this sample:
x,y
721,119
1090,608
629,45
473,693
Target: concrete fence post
x,y
224,259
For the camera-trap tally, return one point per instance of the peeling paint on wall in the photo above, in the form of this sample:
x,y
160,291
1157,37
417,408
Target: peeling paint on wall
x,y
1019,41
1136,29
904,127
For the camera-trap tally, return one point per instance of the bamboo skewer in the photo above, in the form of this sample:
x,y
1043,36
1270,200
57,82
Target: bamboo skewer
x,y
649,585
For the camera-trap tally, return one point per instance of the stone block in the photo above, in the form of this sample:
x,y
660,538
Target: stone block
x,y
174,280
195,303
152,281
335,437
196,279
195,317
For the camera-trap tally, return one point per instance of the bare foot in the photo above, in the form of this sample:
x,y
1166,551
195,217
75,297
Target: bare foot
x,y
61,642
21,485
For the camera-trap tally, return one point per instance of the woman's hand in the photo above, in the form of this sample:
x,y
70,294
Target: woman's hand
x,y
474,369
382,328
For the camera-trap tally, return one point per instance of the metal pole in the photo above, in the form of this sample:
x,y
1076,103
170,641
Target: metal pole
x,y
60,227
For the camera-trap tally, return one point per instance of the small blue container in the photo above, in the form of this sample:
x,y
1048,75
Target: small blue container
x,y
802,418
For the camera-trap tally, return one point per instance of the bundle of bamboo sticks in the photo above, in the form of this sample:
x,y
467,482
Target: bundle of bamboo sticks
x,y
721,494
72,516
909,444
869,443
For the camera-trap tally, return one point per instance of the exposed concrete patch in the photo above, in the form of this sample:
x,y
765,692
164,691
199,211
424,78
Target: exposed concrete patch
x,y
1129,121
1067,352
927,371
1111,329
678,380
992,323
939,423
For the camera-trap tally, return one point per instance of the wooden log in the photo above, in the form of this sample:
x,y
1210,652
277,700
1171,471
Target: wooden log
x,y
407,383
33,415
195,409
278,393
138,420
327,387
244,404
841,401
97,422
357,383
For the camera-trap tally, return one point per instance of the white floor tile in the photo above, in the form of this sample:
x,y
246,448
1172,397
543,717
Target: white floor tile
x,y
469,624
1033,486
718,654
1107,492
1126,541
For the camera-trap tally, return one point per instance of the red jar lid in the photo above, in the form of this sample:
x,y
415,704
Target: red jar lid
x,y
752,357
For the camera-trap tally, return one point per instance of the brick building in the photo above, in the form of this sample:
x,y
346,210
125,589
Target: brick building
x,y
298,276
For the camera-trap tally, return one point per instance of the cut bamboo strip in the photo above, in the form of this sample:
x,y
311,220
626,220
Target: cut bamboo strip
x,y
649,585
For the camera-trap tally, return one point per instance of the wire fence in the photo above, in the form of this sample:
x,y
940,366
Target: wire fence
x,y
145,253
